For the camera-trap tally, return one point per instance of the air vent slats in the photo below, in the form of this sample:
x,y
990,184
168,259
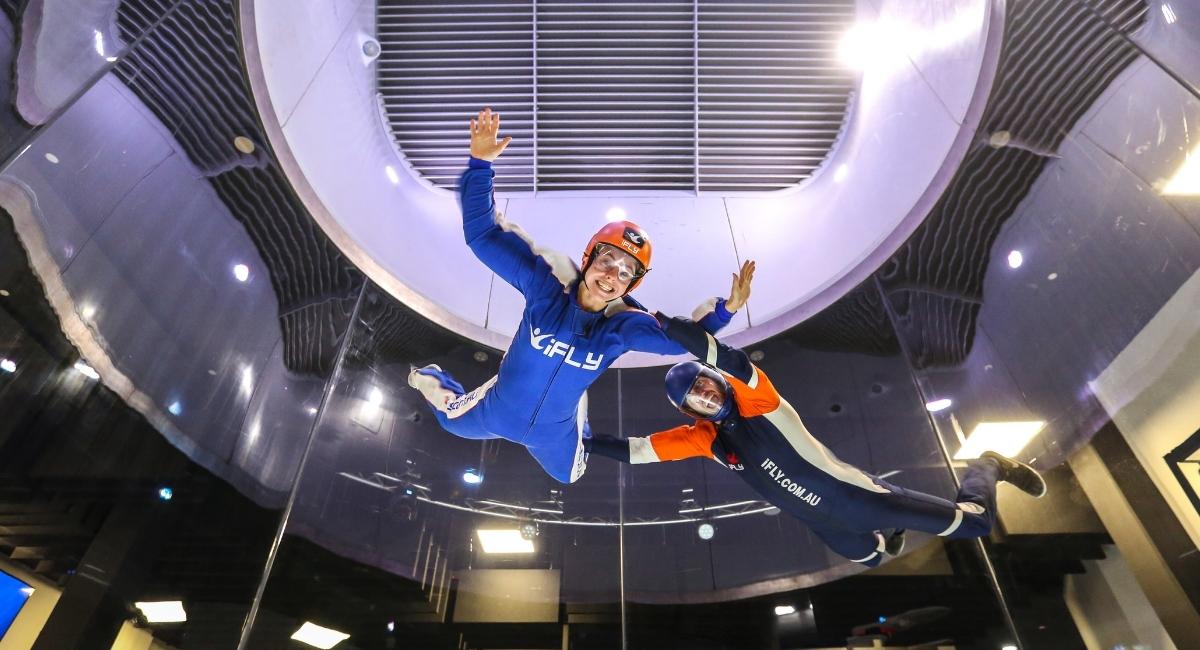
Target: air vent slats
x,y
702,96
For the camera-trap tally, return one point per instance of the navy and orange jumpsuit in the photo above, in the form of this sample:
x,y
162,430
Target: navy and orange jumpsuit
x,y
767,444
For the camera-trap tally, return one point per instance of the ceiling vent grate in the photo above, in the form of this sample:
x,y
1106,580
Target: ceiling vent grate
x,y
683,95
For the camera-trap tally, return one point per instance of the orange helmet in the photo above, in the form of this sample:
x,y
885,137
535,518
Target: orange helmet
x,y
626,236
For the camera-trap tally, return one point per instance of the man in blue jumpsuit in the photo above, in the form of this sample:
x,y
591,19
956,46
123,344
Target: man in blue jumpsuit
x,y
744,424
575,324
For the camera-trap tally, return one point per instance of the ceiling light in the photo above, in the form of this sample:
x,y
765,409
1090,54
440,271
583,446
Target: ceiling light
x,y
8,365
312,410
1015,259
86,370
165,493
938,405
319,637
244,144
706,531
1186,181
1004,438
51,158
529,530
1052,277
392,175
241,272
615,213
504,541
375,397
175,408
371,49
784,610
1009,647
391,626
471,477
167,611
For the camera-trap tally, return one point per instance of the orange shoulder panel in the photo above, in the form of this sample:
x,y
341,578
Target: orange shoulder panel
x,y
760,399
686,441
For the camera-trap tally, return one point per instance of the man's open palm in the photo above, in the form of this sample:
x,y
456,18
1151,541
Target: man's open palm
x,y
484,128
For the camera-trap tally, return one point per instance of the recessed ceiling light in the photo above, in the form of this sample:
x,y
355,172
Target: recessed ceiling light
x,y
166,493
938,405
706,531
392,175
1015,259
86,370
506,540
241,272
1186,181
615,213
51,158
784,610
244,144
175,408
472,477
1004,438
319,637
8,365
1052,277
167,611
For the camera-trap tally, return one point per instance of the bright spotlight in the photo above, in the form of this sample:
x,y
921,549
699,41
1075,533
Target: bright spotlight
x,y
175,408
167,611
706,531
165,493
8,365
1015,259
472,477
86,370
1004,438
938,405
784,610
504,541
241,272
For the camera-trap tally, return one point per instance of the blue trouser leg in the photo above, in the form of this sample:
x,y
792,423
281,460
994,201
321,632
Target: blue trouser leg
x,y
459,412
560,451
861,547
972,514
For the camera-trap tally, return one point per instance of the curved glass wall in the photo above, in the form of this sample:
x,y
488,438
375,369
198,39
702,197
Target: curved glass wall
x,y
204,409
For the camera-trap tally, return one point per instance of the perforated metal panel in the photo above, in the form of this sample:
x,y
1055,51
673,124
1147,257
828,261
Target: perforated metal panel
x,y
690,95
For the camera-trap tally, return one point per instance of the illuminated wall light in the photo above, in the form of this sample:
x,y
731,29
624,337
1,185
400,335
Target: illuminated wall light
x,y
938,405
784,610
706,531
1186,181
8,365
241,272
1169,14
167,611
507,540
1004,438
841,172
175,408
1015,259
86,370
318,637
615,214
472,477
392,175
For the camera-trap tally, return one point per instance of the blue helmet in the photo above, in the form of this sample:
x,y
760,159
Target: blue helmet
x,y
682,378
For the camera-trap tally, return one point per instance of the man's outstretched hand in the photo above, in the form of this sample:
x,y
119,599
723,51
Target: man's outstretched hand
x,y
484,128
740,292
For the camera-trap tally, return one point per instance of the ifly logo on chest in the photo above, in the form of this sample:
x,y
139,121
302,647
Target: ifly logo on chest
x,y
555,348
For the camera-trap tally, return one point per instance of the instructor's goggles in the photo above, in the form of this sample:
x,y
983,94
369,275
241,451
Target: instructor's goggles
x,y
610,259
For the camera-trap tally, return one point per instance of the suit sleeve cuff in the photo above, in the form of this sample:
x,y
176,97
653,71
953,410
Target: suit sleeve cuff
x,y
478,163
723,313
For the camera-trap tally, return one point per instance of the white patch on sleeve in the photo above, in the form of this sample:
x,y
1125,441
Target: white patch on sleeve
x,y
579,463
560,265
711,358
958,514
868,558
753,383
641,451
703,309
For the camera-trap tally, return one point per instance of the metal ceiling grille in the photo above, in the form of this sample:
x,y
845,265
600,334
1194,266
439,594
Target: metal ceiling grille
x,y
694,95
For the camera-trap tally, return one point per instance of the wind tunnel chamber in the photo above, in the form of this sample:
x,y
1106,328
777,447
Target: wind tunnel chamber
x,y
230,230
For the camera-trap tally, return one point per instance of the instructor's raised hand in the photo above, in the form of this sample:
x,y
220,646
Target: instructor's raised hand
x,y
484,128
739,293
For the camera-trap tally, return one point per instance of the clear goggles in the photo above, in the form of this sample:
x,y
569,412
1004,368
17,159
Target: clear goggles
x,y
706,396
610,259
